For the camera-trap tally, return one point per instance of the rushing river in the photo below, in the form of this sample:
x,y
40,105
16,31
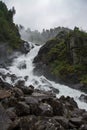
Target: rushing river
x,y
23,66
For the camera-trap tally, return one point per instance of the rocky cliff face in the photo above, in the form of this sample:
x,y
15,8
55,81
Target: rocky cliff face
x,y
65,57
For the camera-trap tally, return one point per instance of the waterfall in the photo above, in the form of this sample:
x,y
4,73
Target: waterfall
x,y
22,67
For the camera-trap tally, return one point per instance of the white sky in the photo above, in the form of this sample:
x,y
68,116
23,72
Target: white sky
x,y
39,14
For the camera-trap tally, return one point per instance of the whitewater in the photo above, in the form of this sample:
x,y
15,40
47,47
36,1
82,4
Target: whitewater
x,y
23,66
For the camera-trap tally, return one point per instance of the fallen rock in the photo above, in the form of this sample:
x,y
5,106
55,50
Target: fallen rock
x,y
22,109
5,94
39,123
76,112
33,103
45,109
83,127
83,98
76,121
15,125
28,90
12,101
63,121
55,90
47,124
22,65
43,95
27,123
26,78
31,100
68,102
20,83
57,106
5,85
17,92
13,77
84,116
5,121
11,113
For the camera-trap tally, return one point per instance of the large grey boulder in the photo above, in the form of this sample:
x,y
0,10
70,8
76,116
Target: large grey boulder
x,y
5,121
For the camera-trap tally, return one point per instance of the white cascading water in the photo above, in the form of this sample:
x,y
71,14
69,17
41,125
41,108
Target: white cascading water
x,y
39,81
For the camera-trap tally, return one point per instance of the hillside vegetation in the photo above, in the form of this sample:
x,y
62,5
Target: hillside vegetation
x,y
66,56
8,30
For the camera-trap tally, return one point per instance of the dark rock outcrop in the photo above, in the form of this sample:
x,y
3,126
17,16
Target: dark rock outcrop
x,y
64,59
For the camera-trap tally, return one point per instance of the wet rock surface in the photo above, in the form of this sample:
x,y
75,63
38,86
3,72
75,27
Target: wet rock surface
x,y
5,121
4,94
83,98
26,108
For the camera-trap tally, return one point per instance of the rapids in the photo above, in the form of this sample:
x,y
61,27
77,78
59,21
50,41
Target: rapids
x,y
23,67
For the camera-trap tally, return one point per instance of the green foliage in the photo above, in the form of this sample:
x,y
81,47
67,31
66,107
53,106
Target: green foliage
x,y
54,52
84,79
8,31
60,58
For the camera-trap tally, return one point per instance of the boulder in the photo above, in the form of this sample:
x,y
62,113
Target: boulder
x,y
22,109
5,85
15,125
68,102
43,95
5,94
76,121
27,123
48,124
17,92
22,65
26,47
31,100
84,116
5,121
20,83
45,109
11,102
55,90
63,121
83,127
83,98
57,106
33,103
77,112
13,77
28,90
26,78
11,113
39,123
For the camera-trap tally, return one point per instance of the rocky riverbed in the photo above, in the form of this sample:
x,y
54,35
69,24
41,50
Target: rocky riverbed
x,y
27,108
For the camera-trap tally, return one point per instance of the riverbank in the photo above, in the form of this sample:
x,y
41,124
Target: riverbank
x,y
27,108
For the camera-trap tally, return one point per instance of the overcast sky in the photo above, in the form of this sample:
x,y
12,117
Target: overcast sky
x,y
39,14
